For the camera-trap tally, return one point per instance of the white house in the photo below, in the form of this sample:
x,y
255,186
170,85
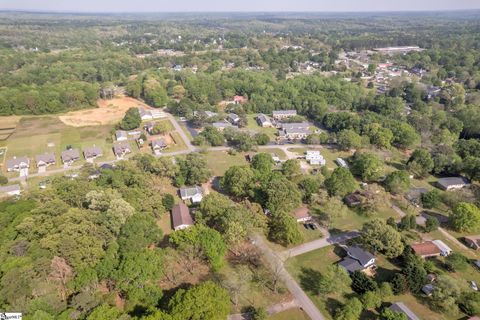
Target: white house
x,y
357,259
283,114
264,121
341,163
17,164
195,194
315,158
121,135
145,114
444,249
452,183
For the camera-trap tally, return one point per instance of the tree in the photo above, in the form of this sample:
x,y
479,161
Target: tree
x,y
3,180
371,299
334,279
291,168
348,139
397,182
367,166
281,194
340,182
420,163
362,283
161,127
104,312
168,201
380,237
399,283
456,262
465,217
204,301
262,162
309,185
414,270
379,136
470,303
431,199
389,314
351,310
194,169
131,120
408,222
238,181
261,139
213,136
431,224
284,229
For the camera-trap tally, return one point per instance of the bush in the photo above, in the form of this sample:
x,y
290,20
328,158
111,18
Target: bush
x,y
431,199
431,224
399,283
456,262
3,180
362,283
168,201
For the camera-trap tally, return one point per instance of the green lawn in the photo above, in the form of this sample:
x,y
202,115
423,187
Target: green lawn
x,y
292,314
179,143
279,152
220,161
253,126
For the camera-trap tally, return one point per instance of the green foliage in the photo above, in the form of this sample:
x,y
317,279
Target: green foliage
x,y
367,166
263,163
261,139
213,136
3,180
281,194
104,312
465,217
168,201
351,310
348,139
238,180
334,279
399,283
470,303
431,224
408,222
456,262
284,229
361,283
420,163
380,237
291,168
431,199
388,314
131,120
204,301
194,169
397,182
414,271
340,182
371,300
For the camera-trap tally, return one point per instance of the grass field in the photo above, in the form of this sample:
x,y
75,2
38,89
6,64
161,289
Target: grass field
x,y
220,161
292,314
253,126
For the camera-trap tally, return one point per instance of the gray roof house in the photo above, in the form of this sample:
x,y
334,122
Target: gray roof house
x,y
45,160
358,259
192,193
181,218
121,148
12,190
452,183
281,114
121,135
158,145
428,289
92,153
400,307
17,163
221,125
233,118
264,121
70,156
145,114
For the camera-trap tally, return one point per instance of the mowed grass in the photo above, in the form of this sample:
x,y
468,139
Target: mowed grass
x,y
292,314
253,126
219,161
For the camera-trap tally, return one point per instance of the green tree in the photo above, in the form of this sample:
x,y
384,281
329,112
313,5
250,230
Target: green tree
x,y
261,139
361,283
104,312
291,168
388,314
238,181
194,169
397,182
340,182
348,139
465,217
161,127
351,310
380,237
470,303
420,163
168,201
284,229
367,166
456,262
281,194
3,180
431,224
263,162
371,299
204,301
131,120
431,199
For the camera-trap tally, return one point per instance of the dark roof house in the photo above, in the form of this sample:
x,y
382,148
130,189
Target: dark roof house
x,y
17,163
45,159
70,155
92,152
452,183
181,217
120,149
358,259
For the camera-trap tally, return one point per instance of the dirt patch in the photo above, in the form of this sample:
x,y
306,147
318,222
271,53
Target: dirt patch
x,y
108,112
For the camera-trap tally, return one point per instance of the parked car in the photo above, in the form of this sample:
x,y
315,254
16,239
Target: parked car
x,y
305,225
473,285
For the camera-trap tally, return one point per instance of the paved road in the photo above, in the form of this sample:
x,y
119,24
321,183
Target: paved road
x,y
180,131
276,308
276,263
320,243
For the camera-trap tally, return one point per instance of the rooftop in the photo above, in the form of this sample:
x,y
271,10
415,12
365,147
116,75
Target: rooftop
x,y
181,215
426,248
70,155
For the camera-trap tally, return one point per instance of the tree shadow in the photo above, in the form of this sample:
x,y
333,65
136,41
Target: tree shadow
x,y
309,280
332,306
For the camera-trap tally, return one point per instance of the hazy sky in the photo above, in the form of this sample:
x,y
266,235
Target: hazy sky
x,y
237,5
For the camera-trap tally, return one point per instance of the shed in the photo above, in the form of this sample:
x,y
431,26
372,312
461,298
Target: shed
x,y
181,218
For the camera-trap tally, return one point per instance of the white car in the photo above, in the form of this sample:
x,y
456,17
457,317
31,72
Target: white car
x,y
473,285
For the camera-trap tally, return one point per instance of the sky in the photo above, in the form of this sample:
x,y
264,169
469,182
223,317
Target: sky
x,y
236,5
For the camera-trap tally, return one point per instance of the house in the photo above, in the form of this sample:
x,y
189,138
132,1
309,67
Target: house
x,y
92,153
264,121
452,183
283,114
9,191
158,145
195,194
433,248
145,114
17,164
221,125
45,160
121,135
294,131
341,163
181,218
233,118
210,114
302,214
70,156
121,149
428,289
473,241
400,307
353,199
158,114
134,135
239,100
357,259
315,158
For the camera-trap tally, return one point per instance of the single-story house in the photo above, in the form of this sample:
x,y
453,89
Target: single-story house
x,y
294,131
400,307
282,114
181,218
159,145
428,289
9,191
17,164
233,118
45,160
70,156
121,135
357,259
302,214
433,248
341,163
452,183
264,121
473,241
210,114
239,100
221,125
121,149
315,158
92,153
145,114
195,194
353,199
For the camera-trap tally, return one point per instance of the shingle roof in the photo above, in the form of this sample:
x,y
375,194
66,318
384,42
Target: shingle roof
x,y
359,254
16,161
92,152
46,157
451,181
159,143
121,147
284,112
70,155
351,265
181,215
190,192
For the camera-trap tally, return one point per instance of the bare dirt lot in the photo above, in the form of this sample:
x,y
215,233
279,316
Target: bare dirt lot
x,y
108,112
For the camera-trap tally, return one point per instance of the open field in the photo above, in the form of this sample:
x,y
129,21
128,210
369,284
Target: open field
x,y
292,314
108,112
220,161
